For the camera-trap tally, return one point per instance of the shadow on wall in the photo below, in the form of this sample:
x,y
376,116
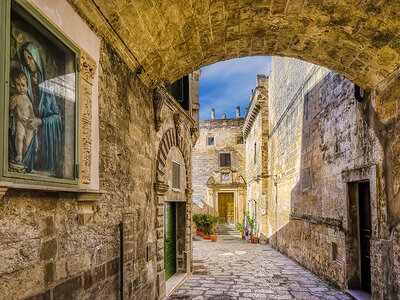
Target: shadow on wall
x,y
338,135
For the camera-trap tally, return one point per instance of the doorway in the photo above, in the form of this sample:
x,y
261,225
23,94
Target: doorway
x,y
170,239
226,207
365,230
360,232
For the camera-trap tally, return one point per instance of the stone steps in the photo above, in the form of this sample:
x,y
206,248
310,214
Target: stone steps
x,y
227,230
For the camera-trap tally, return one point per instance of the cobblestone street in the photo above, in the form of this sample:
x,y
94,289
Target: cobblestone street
x,y
234,269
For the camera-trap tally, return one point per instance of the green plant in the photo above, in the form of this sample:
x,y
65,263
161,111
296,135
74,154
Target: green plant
x,y
205,222
198,220
240,226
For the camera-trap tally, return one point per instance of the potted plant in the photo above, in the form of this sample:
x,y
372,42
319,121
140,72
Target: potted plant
x,y
197,219
240,227
214,220
208,224
251,224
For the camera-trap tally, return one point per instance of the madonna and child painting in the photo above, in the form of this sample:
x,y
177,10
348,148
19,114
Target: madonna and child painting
x,y
41,133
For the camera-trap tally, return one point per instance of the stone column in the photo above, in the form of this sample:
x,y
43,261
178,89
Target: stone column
x,y
238,112
160,189
212,113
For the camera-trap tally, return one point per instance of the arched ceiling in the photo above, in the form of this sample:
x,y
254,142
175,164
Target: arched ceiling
x,y
359,39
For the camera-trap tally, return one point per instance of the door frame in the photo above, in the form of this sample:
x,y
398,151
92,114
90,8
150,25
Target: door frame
x,y
165,234
235,202
350,181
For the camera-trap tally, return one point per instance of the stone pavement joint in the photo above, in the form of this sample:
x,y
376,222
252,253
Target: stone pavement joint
x,y
236,270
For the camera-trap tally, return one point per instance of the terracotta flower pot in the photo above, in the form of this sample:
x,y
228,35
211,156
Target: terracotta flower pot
x,y
255,240
243,237
206,236
214,237
252,240
198,232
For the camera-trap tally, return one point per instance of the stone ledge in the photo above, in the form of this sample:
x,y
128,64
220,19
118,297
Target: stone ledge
x,y
86,198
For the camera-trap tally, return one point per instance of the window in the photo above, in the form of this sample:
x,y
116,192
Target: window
x,y
335,252
210,141
224,159
255,153
40,144
239,140
180,91
176,175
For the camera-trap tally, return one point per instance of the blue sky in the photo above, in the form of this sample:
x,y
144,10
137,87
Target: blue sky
x,y
228,84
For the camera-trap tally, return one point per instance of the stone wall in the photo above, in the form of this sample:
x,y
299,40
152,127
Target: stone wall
x,y
289,82
45,250
126,137
326,143
255,131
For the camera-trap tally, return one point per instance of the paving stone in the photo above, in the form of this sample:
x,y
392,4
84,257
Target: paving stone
x,y
259,273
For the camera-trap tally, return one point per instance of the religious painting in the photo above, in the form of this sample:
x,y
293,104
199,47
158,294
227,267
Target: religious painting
x,y
42,101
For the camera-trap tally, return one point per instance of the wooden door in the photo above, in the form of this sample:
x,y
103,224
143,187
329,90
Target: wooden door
x,y
226,207
365,235
170,239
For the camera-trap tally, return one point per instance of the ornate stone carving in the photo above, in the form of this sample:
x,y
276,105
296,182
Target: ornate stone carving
x,y
3,190
188,192
158,103
87,203
87,72
161,188
177,123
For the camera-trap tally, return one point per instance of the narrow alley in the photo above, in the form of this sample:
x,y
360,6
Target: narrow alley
x,y
233,269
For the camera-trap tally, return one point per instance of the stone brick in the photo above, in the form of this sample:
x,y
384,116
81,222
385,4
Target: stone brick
x,y
48,250
44,296
67,289
112,267
49,273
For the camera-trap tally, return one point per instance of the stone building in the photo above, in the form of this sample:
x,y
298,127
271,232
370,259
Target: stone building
x,y
255,133
60,227
312,163
219,165
326,158
108,224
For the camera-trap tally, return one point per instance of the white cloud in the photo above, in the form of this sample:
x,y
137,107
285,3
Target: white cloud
x,y
228,84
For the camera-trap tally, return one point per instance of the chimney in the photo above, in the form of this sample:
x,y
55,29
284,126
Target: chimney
x,y
224,116
212,113
262,80
238,112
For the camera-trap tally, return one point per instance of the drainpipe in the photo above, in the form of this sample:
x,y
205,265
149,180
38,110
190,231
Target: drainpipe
x,y
121,260
273,177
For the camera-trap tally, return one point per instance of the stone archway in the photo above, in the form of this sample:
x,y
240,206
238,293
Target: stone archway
x,y
171,139
358,39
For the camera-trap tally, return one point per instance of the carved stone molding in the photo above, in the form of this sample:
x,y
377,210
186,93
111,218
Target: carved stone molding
x,y
161,188
188,192
177,123
87,72
3,190
158,103
87,203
